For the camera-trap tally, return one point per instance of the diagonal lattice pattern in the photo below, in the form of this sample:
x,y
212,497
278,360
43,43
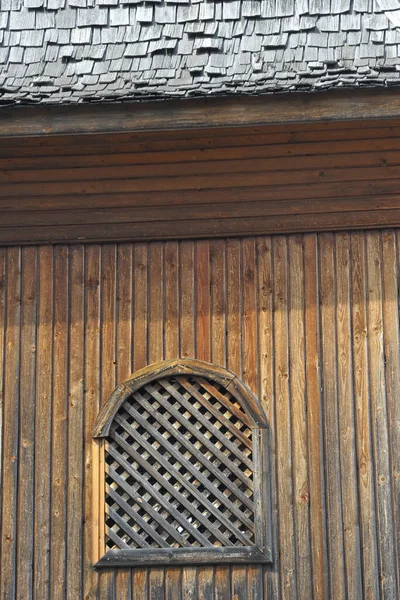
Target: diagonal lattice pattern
x,y
179,469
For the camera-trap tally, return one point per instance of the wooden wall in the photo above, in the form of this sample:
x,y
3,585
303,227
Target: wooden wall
x,y
200,183
310,322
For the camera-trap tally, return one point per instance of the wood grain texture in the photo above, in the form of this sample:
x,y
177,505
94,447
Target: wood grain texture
x,y
332,105
200,184
309,322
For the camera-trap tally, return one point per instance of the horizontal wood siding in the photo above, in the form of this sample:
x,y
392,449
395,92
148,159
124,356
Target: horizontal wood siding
x,y
200,183
309,322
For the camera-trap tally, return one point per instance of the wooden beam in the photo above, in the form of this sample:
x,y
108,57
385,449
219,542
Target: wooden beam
x,y
209,112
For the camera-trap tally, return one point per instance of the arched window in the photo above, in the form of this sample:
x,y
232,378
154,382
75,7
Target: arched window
x,y
181,465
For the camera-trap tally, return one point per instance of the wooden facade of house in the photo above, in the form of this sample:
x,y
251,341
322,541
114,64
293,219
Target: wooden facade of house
x,y
273,252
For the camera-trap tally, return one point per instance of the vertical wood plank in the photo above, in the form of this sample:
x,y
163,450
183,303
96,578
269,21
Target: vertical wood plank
x,y
234,308
25,510
283,423
10,425
239,583
139,584
249,316
250,373
222,583
205,575
363,418
59,450
266,359
330,409
254,583
156,590
189,583
91,409
218,354
235,352
173,584
392,346
186,294
218,295
124,283
387,559
3,292
156,301
108,362
205,583
229,319
124,311
187,349
75,424
202,277
140,280
348,459
147,342
314,422
301,491
171,329
43,420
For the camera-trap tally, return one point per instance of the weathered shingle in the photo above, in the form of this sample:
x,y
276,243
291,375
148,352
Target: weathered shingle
x,y
79,50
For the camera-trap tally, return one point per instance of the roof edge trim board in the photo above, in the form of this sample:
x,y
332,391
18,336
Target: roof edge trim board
x,y
204,113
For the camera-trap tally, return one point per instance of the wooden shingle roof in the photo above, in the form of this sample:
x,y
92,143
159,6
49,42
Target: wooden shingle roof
x,y
68,51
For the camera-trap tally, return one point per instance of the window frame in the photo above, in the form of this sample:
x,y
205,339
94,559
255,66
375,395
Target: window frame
x,y
261,551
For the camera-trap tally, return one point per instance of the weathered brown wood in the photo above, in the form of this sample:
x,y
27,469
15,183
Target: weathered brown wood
x,y
184,114
186,297
3,303
123,579
75,421
108,360
189,583
155,302
265,328
11,424
358,268
205,583
314,421
390,291
323,221
91,533
207,183
139,584
59,473
186,291
380,433
297,383
171,300
140,324
348,458
283,420
234,179
25,512
43,423
257,157
365,461
329,358
218,299
278,133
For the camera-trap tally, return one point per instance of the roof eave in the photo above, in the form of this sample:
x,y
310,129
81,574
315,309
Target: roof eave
x,y
295,107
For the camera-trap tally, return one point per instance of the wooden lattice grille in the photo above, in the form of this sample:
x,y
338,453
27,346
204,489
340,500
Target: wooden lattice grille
x,y
179,468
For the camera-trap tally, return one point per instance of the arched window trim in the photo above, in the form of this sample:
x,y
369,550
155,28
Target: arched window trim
x,y
260,552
